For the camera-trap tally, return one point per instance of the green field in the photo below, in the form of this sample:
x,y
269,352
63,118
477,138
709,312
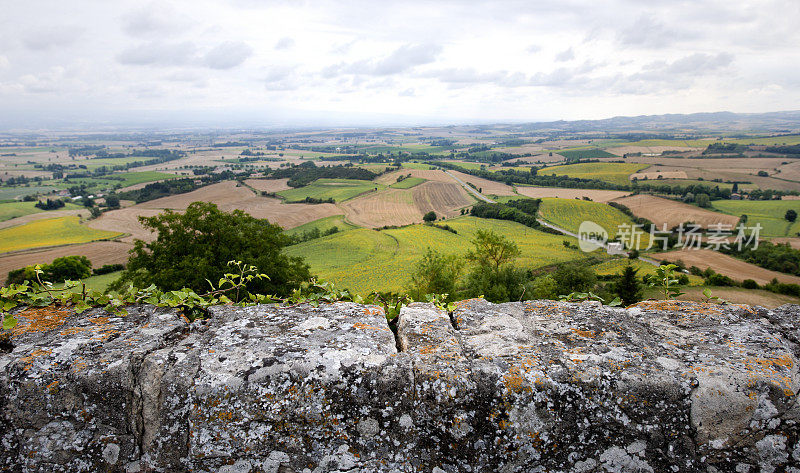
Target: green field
x,y
323,224
408,183
588,153
336,189
615,266
367,260
418,166
468,164
11,210
615,173
769,213
570,213
10,193
95,283
50,232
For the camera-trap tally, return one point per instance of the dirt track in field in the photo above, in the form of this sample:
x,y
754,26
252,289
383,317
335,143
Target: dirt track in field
x,y
596,195
488,187
724,264
405,206
672,213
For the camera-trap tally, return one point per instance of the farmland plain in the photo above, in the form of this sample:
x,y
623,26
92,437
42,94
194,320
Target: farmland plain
x,y
50,232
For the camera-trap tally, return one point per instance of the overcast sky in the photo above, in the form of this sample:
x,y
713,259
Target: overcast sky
x,y
407,61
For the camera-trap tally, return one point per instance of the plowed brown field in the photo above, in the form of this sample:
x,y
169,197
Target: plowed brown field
x,y
673,213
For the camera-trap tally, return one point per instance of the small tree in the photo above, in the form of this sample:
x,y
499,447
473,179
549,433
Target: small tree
x,y
429,217
791,215
627,286
435,273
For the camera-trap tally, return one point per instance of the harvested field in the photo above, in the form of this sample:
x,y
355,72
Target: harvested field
x,y
268,185
664,211
98,252
789,171
657,175
488,187
222,194
443,198
126,220
596,195
524,149
389,207
727,265
285,215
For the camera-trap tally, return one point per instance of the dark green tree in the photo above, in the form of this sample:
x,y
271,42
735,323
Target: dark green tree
x,y
429,217
791,215
196,246
68,267
628,287
573,277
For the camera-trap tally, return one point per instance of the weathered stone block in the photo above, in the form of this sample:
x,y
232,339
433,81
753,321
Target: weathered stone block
x,y
533,386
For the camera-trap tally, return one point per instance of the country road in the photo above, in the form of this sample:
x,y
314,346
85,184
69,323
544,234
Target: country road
x,y
541,221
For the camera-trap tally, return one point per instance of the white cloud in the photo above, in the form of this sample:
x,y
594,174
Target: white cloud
x,y
566,55
45,38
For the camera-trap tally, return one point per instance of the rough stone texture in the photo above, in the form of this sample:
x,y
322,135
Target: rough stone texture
x,y
533,386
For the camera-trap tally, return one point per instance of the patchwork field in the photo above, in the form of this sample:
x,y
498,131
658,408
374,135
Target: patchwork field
x,y
672,213
50,232
408,183
367,260
596,195
99,253
570,213
268,185
336,189
10,210
615,173
487,187
723,264
768,213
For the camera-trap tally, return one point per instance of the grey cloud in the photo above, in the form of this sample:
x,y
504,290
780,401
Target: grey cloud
x,y
51,37
401,60
43,83
152,19
700,63
284,43
223,56
227,55
159,53
281,79
566,55
649,32
533,48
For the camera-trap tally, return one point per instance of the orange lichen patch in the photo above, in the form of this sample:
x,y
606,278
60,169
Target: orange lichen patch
x,y
359,325
771,369
53,387
99,320
373,311
79,364
72,330
40,319
32,357
584,333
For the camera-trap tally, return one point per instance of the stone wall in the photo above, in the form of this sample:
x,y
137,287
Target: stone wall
x,y
534,386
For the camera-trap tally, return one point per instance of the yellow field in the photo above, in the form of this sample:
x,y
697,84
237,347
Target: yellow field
x,y
50,232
